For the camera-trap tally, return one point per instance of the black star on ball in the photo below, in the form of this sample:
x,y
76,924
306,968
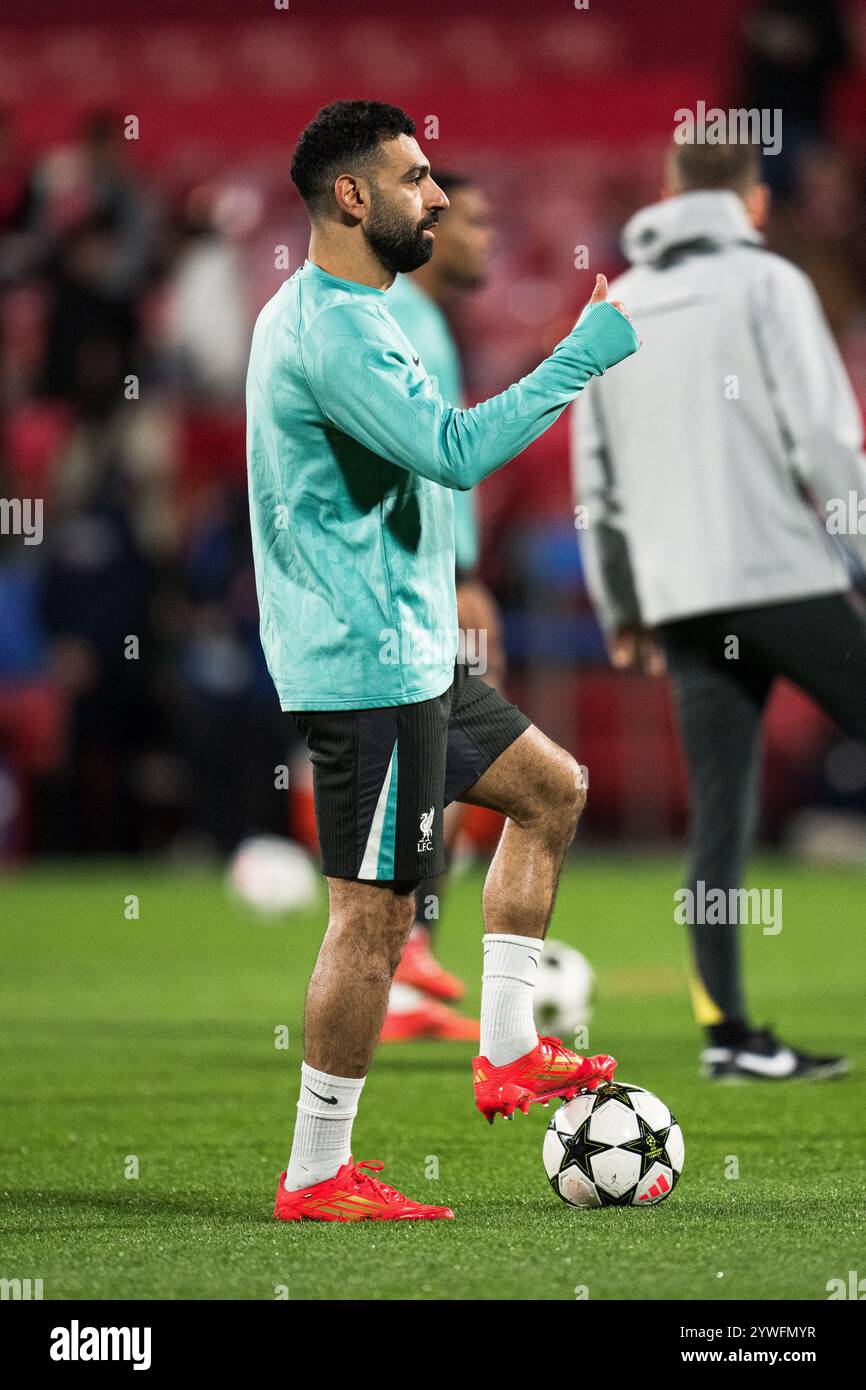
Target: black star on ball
x,y
614,1090
579,1149
650,1146
608,1199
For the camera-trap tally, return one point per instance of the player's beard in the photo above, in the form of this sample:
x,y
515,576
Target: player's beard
x,y
398,242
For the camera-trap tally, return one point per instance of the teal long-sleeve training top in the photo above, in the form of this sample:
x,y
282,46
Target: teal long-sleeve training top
x,y
352,458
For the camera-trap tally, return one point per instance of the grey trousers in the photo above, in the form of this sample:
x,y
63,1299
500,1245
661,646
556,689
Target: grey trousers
x,y
820,645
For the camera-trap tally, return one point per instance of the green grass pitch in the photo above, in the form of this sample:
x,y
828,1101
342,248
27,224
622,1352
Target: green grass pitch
x,y
155,1039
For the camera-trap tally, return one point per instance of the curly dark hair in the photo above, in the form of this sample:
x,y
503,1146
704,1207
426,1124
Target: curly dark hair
x,y
340,135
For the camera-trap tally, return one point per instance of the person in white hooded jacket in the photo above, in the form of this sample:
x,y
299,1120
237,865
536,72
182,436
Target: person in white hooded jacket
x,y
714,468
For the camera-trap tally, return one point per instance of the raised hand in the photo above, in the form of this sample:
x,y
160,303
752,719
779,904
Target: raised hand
x,y
599,295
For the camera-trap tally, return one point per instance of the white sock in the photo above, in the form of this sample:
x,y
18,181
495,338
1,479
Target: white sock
x,y
507,1027
322,1141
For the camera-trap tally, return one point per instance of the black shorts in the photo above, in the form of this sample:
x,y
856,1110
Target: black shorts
x,y
382,777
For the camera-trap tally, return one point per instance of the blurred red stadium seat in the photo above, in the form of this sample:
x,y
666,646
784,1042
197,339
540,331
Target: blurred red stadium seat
x,y
35,435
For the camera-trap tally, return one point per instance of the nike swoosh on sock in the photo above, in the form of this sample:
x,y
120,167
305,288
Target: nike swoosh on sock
x,y
329,1100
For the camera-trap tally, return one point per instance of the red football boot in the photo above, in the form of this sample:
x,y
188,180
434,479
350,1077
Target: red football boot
x,y
429,1020
548,1071
353,1195
419,968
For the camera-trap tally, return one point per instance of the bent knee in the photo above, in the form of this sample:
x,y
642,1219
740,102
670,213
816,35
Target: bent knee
x,y
571,792
562,792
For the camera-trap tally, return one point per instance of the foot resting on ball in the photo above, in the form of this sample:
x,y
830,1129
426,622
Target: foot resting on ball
x,y
548,1071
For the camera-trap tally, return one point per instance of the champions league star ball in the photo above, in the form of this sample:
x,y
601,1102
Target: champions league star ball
x,y
619,1146
272,876
563,989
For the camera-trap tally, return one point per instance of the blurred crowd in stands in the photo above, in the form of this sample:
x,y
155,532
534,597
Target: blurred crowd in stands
x,y
135,709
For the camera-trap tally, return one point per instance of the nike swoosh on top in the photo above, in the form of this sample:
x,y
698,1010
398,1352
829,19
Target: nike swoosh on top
x,y
329,1100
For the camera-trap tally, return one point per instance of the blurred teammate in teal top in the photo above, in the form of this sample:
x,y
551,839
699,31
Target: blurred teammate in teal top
x,y
421,303
353,456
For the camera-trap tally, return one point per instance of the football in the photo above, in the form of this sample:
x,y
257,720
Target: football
x,y
619,1146
563,990
272,876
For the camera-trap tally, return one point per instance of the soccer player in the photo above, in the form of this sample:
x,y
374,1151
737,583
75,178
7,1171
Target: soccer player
x,y
703,465
353,457
420,303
